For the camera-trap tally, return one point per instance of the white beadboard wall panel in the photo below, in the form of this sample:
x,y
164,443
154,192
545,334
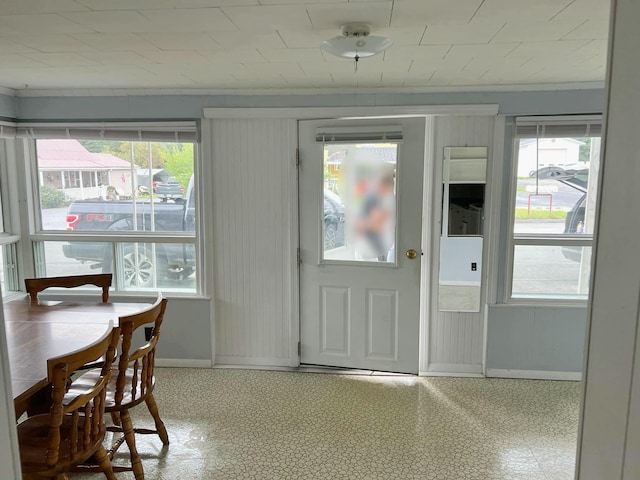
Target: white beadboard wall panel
x,y
252,246
456,338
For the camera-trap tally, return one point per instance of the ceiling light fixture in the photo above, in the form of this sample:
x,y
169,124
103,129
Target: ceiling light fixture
x,y
356,43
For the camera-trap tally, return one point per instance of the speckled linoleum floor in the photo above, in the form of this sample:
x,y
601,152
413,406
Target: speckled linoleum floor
x,y
250,424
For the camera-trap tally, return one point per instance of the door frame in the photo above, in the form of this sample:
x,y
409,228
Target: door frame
x,y
328,113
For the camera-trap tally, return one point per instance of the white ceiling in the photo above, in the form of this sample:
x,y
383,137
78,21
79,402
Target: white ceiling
x,y
274,44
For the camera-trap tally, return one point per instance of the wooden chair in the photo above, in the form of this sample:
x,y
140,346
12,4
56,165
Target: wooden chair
x,y
132,382
36,285
74,429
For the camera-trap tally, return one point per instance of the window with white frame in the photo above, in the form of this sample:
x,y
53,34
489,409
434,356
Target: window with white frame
x,y
116,198
8,241
556,173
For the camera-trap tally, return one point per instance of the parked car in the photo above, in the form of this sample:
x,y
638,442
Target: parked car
x,y
573,176
333,221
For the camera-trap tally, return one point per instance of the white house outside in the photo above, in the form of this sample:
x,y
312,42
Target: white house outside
x,y
67,165
559,152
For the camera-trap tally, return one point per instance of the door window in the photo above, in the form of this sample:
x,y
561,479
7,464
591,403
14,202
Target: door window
x,y
359,202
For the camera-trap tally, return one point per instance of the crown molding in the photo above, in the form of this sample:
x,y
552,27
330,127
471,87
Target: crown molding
x,y
126,92
7,91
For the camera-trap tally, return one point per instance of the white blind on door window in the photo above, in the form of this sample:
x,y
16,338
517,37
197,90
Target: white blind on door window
x,y
356,135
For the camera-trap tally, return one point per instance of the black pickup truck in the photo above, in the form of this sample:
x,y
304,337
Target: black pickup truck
x,y
142,262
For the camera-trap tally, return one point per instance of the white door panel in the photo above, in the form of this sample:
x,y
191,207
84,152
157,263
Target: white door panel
x,y
359,308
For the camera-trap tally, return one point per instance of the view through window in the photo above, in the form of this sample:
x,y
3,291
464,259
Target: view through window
x,y
135,201
555,202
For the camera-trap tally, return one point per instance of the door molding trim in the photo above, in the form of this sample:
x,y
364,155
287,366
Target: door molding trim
x,y
309,113
428,218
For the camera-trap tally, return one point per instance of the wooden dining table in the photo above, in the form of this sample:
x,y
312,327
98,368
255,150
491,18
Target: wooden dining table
x,y
38,331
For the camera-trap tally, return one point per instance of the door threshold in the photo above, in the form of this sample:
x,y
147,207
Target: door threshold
x,y
308,368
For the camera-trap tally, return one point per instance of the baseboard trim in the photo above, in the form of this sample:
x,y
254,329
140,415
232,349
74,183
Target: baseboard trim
x,y
452,370
222,360
534,374
183,363
450,374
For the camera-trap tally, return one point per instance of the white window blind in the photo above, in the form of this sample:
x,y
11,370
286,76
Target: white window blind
x,y
7,130
358,135
558,127
148,132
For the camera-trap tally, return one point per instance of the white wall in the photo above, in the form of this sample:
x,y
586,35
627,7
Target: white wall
x,y
9,456
610,438
254,206
455,339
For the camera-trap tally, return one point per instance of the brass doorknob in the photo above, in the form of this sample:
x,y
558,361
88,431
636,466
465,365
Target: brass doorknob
x,y
411,253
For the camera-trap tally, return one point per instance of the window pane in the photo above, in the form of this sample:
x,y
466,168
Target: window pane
x,y
359,202
551,271
557,185
96,185
71,258
8,269
138,266
169,266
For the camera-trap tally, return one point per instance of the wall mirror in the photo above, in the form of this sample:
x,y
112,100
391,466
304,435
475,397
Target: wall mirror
x,y
461,242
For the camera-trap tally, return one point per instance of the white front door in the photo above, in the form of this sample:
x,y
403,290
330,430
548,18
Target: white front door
x,y
360,184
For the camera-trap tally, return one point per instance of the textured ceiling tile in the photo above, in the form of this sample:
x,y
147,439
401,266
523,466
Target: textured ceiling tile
x,y
109,42
242,40
526,31
13,45
14,60
586,10
268,18
549,49
488,51
594,47
424,53
409,35
157,4
259,69
52,43
63,59
181,41
188,20
594,28
8,7
292,54
433,12
520,10
110,22
40,24
375,13
298,38
118,58
303,2
176,58
478,31
244,55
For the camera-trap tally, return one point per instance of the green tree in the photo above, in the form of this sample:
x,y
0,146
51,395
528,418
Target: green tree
x,y
141,156
51,197
179,161
101,146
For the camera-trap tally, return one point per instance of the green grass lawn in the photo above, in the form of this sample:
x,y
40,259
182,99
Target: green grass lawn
x,y
522,214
